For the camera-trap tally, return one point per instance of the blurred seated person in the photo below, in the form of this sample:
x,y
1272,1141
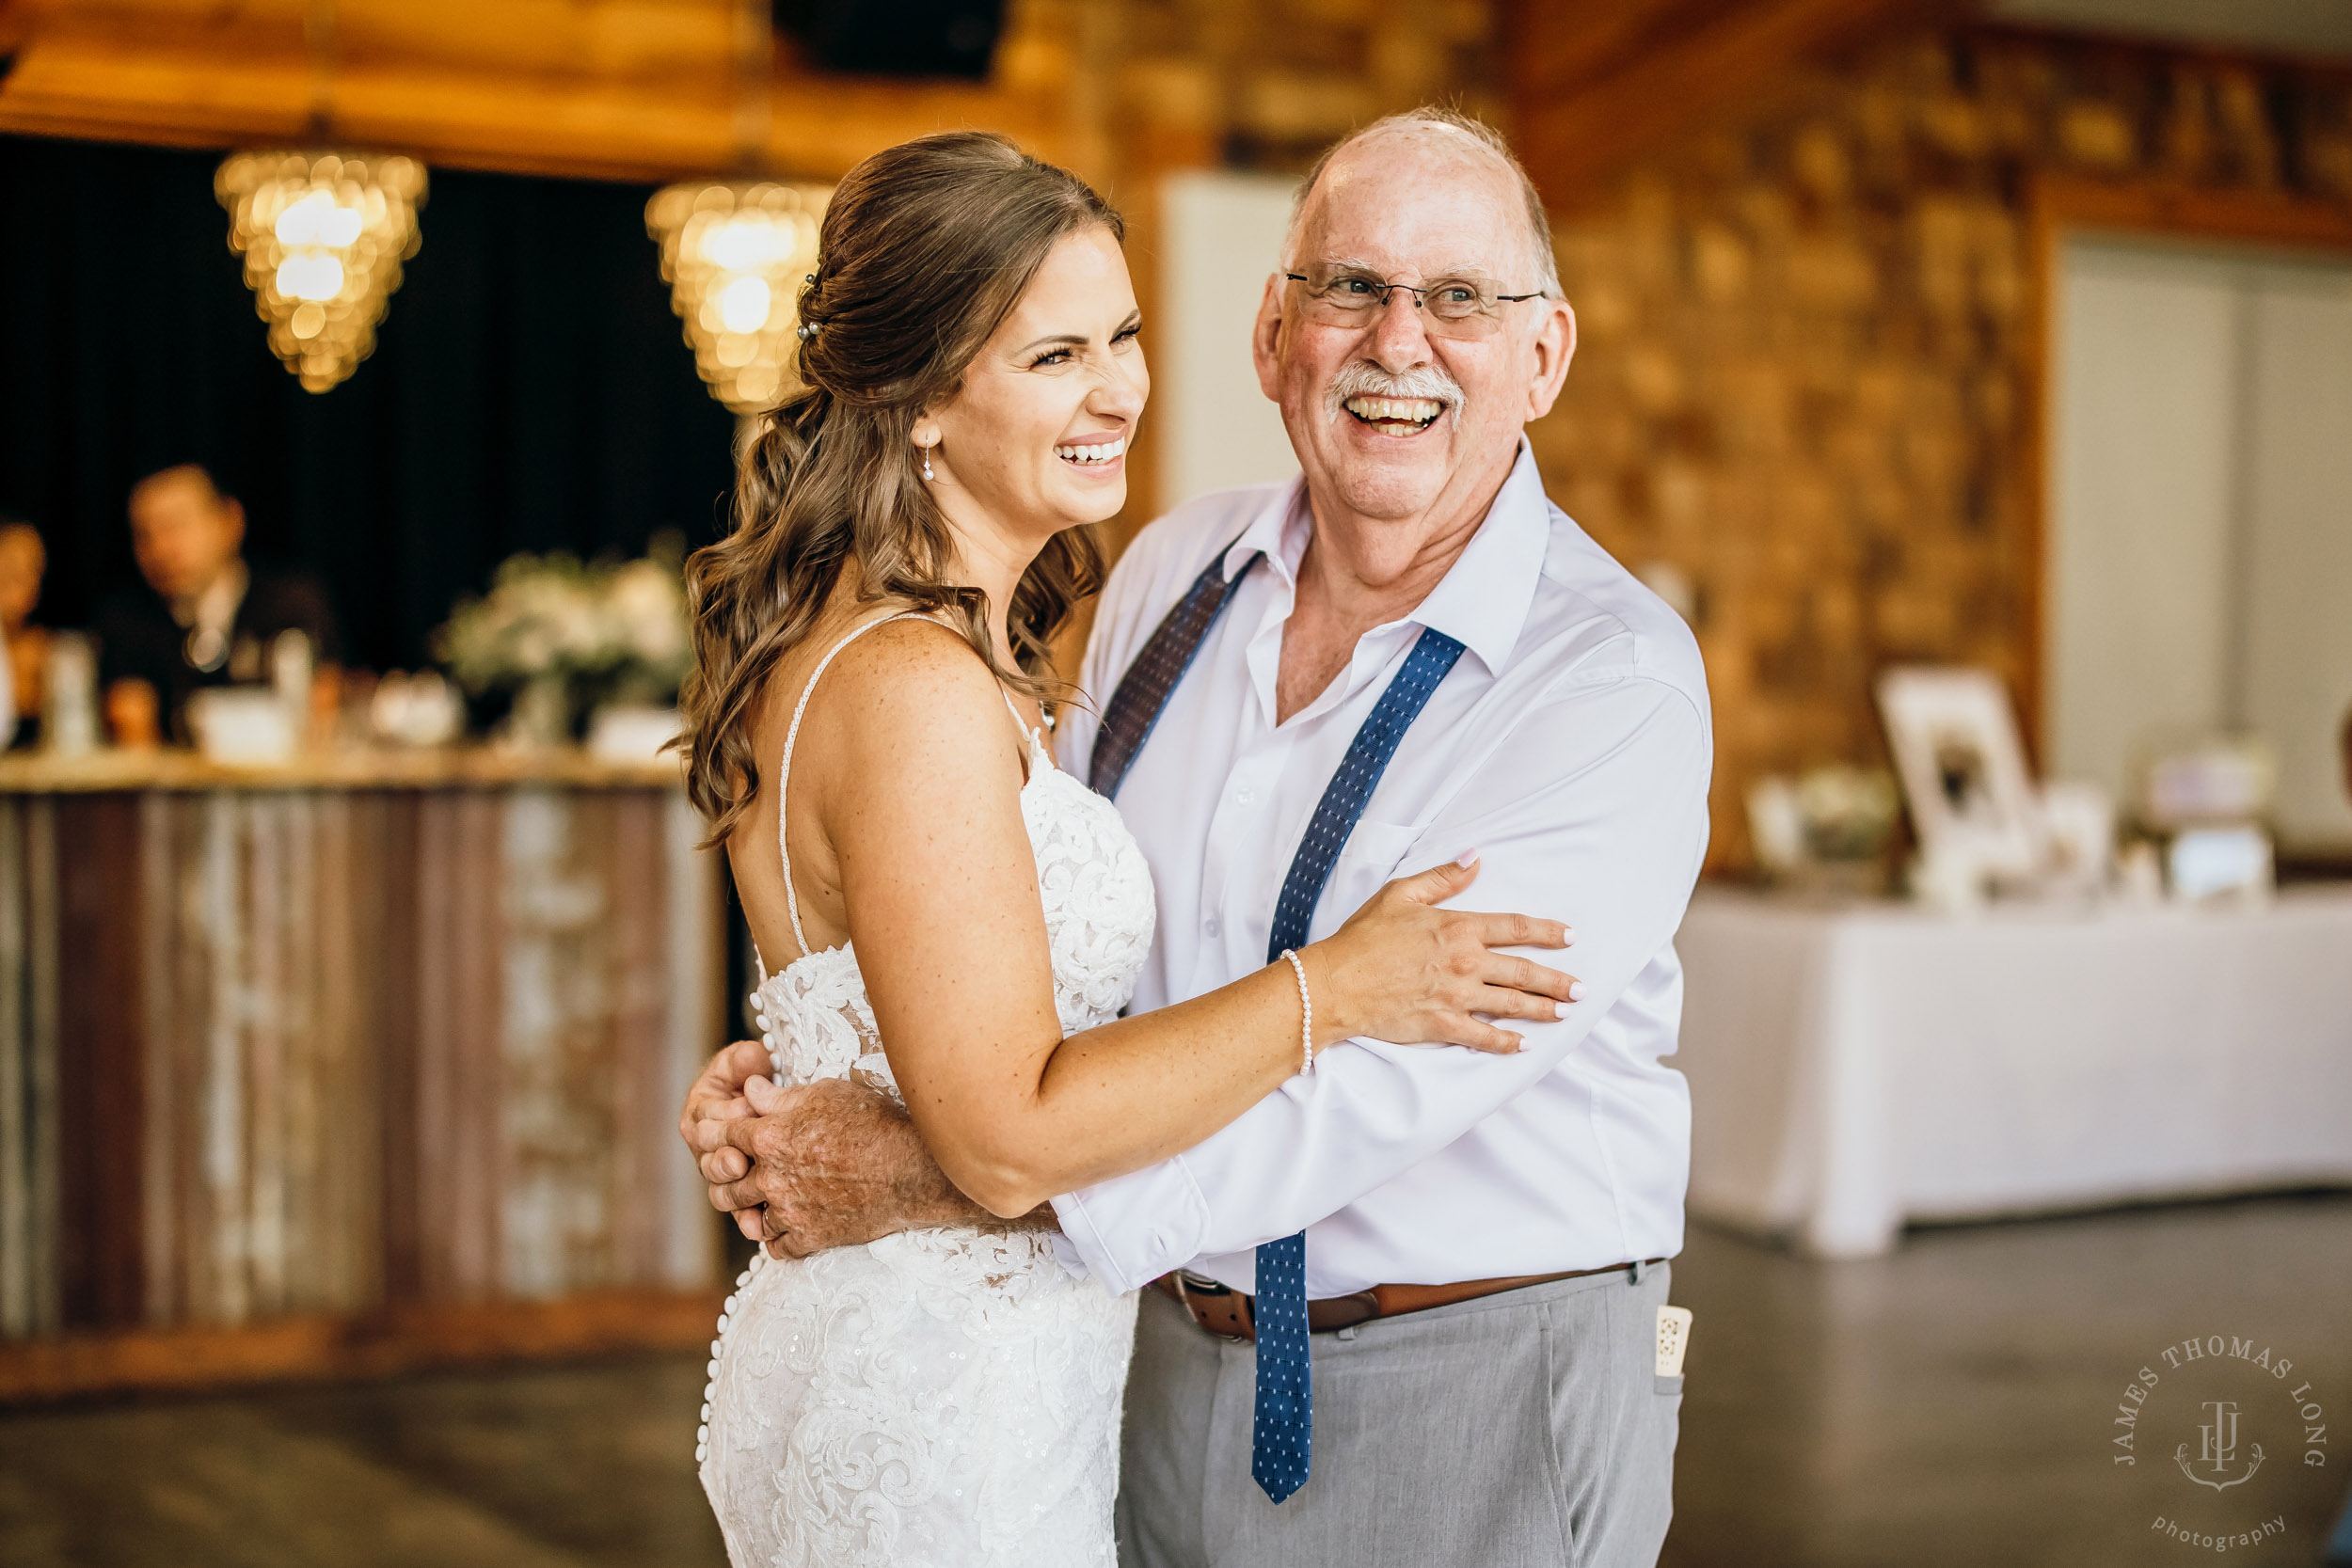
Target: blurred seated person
x,y
22,559
205,618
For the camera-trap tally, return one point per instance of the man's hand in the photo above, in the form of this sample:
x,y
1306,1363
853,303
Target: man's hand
x,y
825,1165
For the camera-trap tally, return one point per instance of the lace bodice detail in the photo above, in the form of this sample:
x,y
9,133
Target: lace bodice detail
x,y
940,1397
1099,915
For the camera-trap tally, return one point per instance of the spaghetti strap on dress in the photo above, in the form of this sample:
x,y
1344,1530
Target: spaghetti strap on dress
x,y
1034,743
783,768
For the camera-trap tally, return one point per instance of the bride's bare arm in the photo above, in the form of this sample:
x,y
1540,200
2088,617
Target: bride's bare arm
x,y
917,794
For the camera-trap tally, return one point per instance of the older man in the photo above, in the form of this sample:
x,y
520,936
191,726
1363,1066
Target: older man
x,y
1484,1240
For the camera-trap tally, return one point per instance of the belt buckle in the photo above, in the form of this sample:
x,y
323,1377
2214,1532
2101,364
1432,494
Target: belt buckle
x,y
1216,1308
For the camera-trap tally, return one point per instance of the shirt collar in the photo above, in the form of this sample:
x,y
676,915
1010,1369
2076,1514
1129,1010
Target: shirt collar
x,y
1271,533
1482,602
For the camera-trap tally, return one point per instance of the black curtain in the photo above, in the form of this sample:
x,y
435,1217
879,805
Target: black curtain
x,y
530,388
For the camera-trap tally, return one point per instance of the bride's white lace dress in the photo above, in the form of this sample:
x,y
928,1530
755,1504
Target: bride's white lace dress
x,y
939,1397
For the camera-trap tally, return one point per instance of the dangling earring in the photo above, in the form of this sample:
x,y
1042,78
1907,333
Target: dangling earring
x,y
927,463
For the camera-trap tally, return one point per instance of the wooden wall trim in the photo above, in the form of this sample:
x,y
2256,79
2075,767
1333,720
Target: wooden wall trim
x,y
2060,205
2063,202
404,1338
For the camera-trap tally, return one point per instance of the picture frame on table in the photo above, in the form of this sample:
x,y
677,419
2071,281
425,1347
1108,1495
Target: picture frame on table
x,y
1957,752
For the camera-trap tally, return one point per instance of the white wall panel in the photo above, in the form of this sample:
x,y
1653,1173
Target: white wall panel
x,y
1221,238
2199,547
2297,652
2137,553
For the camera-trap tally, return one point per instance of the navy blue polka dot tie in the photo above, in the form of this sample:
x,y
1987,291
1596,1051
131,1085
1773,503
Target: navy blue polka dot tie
x,y
1281,1443
1282,1446
1150,680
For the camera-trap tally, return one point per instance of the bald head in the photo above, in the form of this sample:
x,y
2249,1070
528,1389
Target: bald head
x,y
1407,415
1450,144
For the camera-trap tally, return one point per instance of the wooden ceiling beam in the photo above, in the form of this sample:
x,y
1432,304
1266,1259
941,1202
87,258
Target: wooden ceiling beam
x,y
222,75
1562,51
602,37
1591,93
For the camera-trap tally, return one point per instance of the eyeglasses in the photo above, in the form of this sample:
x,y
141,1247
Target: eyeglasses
x,y
1450,307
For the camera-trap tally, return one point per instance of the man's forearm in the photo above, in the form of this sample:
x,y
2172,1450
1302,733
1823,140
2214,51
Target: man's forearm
x,y
836,1164
922,1196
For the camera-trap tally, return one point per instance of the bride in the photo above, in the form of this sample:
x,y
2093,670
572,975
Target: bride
x,y
910,533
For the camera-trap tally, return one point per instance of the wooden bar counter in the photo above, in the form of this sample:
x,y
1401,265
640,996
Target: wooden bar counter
x,y
359,1063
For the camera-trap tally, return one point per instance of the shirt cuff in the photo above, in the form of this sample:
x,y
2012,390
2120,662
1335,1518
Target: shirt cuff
x,y
1074,1262
1132,1230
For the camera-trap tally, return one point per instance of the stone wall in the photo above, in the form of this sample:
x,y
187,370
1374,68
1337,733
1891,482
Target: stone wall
x,y
1269,84
1807,372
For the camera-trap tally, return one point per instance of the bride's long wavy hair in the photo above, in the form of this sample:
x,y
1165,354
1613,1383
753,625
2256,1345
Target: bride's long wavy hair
x,y
924,250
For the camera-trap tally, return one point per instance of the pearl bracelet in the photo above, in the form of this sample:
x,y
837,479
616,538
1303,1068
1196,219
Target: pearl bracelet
x,y
1307,1007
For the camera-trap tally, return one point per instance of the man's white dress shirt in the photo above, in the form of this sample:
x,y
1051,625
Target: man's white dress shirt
x,y
1571,746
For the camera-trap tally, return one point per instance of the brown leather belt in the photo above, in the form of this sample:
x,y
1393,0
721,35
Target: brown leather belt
x,y
1227,1312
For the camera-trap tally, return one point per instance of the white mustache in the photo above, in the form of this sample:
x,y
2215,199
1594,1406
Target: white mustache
x,y
1362,379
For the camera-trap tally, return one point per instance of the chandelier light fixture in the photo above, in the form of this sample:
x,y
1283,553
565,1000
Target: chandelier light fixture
x,y
323,236
323,232
735,254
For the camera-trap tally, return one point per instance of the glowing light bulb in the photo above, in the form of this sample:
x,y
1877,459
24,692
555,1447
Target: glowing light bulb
x,y
309,275
299,223
744,245
743,304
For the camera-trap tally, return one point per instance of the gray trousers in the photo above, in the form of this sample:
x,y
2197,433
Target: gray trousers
x,y
1527,1428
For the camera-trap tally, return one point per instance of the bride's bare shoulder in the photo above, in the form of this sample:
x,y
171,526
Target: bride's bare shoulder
x,y
911,688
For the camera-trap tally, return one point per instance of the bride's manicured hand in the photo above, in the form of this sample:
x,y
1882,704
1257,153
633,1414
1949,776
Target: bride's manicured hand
x,y
1405,971
716,1099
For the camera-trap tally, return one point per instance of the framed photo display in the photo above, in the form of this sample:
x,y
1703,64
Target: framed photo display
x,y
1954,736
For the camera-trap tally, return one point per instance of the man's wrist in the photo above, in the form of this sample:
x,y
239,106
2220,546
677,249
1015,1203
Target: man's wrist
x,y
933,1202
927,1200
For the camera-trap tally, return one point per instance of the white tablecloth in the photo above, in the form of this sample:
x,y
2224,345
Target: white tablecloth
x,y
1853,1068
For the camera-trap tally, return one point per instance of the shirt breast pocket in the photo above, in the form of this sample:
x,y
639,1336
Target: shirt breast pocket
x,y
1370,857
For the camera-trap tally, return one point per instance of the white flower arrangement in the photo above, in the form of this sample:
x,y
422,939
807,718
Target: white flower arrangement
x,y
615,629
1833,816
1848,812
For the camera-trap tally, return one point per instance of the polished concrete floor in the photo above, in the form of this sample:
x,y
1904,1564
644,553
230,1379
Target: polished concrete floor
x,y
1954,1404
1949,1406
